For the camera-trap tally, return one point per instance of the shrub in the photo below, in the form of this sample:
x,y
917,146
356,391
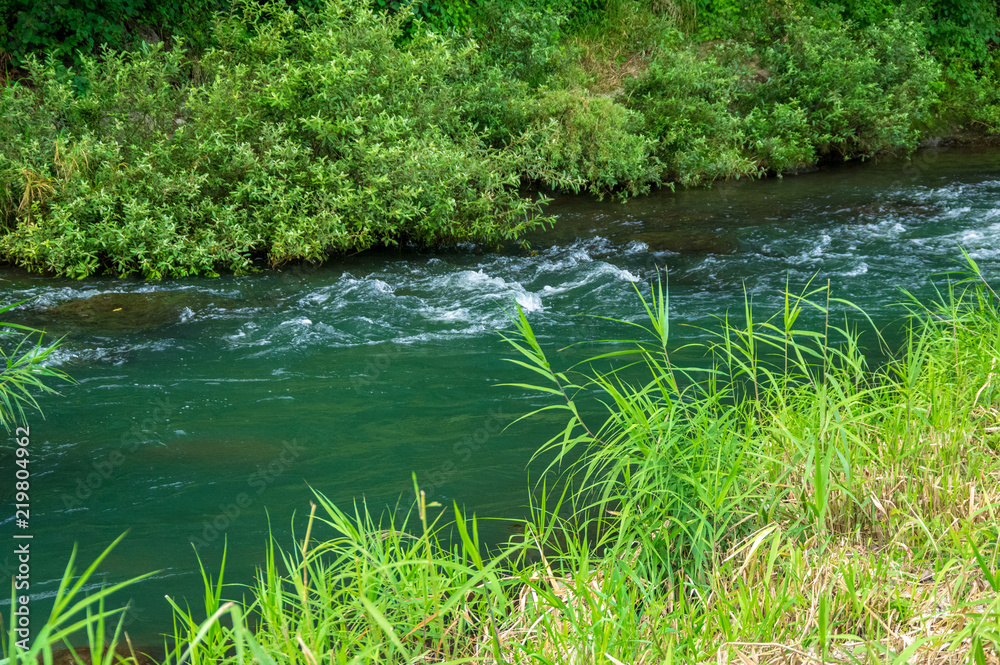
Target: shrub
x,y
862,90
579,141
970,99
293,136
523,40
724,111
780,136
65,28
687,100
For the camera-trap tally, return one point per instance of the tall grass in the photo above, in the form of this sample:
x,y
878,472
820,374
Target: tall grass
x,y
787,501
23,370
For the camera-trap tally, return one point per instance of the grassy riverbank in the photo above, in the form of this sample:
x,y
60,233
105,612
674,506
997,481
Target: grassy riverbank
x,y
791,503
274,135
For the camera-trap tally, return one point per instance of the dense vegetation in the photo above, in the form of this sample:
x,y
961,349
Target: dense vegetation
x,y
290,132
788,504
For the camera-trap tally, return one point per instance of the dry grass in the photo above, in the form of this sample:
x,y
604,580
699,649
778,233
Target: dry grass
x,y
609,71
37,188
623,43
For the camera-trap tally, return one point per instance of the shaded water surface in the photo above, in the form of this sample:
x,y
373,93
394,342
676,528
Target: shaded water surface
x,y
205,407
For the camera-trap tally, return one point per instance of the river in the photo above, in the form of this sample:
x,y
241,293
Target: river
x,y
204,409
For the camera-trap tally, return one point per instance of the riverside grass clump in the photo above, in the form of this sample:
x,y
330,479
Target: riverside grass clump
x,y
24,371
785,503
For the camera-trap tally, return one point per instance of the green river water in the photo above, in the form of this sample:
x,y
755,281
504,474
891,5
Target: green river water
x,y
204,409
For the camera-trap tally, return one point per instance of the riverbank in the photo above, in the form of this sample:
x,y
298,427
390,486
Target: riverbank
x,y
790,504
297,136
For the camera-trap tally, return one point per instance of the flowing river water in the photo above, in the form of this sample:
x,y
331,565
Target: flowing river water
x,y
205,409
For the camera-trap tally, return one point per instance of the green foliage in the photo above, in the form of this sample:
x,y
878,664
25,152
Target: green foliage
x,y
578,141
375,591
737,482
668,463
295,137
518,53
780,136
447,15
963,36
22,372
367,588
581,12
73,611
959,31
724,111
728,19
63,28
522,40
352,124
687,101
863,90
970,99
965,30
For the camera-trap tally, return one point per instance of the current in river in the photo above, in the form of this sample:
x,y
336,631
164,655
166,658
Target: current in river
x,y
205,411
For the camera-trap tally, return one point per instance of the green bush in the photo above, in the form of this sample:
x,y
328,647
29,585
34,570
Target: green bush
x,y
64,28
733,19
519,53
958,30
970,99
965,30
780,136
963,36
863,90
295,137
342,126
727,111
578,141
688,100
523,40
